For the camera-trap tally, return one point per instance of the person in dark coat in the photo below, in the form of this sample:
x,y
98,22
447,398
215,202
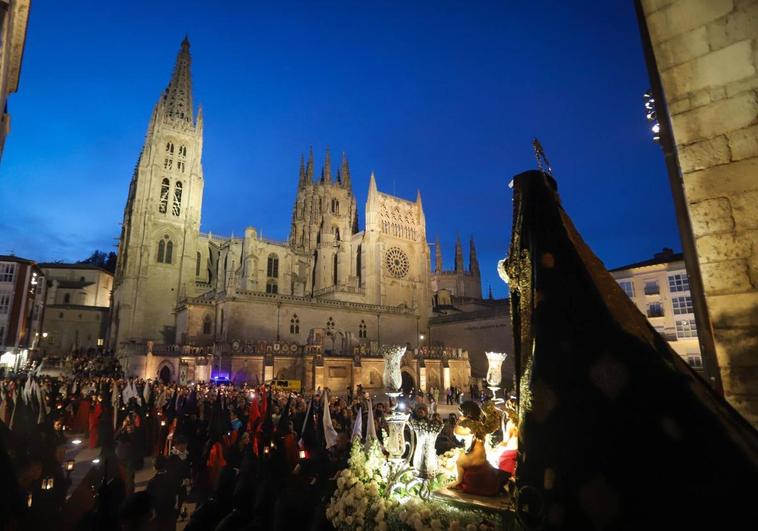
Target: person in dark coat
x,y
163,489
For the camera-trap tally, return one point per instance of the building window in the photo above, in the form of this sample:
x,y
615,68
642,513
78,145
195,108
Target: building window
x,y
682,305
165,250
67,298
271,286
207,325
651,287
362,330
7,272
679,282
358,271
655,309
628,287
334,270
272,267
5,303
163,203
335,206
197,265
182,151
695,361
294,325
336,234
330,324
686,328
170,148
180,166
60,315
177,208
167,164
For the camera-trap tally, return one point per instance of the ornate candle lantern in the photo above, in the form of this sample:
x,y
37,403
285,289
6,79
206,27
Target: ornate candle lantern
x,y
425,454
394,443
494,373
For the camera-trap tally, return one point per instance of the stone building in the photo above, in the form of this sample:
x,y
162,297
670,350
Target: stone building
x,y
77,307
14,17
22,302
660,288
459,284
192,305
703,52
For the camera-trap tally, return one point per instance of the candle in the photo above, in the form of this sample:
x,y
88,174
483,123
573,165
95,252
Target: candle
x,y
302,454
28,500
70,465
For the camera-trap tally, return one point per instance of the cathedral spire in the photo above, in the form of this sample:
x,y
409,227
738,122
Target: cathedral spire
x,y
301,176
458,255
326,172
372,186
177,98
344,174
309,167
473,262
437,256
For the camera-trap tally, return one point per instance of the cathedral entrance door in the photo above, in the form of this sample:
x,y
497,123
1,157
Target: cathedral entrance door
x,y
165,374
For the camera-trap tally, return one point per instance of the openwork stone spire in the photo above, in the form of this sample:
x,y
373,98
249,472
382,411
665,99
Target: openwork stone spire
x,y
326,172
458,255
473,262
437,256
344,173
177,98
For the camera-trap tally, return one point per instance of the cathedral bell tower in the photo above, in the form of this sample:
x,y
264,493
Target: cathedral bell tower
x,y
324,220
158,257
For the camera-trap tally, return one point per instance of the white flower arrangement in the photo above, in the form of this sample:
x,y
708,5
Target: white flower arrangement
x,y
372,496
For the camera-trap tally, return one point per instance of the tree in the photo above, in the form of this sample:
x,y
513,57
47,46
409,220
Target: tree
x,y
101,259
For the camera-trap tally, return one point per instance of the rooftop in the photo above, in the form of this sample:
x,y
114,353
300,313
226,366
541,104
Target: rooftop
x,y
64,265
666,256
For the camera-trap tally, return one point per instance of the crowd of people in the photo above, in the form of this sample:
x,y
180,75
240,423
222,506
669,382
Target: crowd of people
x,y
246,457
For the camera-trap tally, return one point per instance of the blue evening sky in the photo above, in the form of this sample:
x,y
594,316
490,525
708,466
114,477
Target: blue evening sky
x,y
441,96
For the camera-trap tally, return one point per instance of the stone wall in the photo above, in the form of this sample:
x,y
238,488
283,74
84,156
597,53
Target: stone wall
x,y
707,56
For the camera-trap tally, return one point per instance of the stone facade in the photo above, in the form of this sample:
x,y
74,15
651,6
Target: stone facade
x,y
707,56
77,307
660,289
14,17
322,300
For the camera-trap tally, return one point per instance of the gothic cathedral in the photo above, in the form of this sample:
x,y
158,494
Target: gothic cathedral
x,y
264,308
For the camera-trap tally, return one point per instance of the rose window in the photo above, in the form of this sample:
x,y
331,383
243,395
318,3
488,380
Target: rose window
x,y
396,262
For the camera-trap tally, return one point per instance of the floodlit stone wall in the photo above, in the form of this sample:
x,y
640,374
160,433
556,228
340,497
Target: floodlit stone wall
x,y
707,55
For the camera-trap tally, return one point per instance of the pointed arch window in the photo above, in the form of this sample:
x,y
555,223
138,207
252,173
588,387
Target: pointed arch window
x,y
272,286
358,264
165,250
177,208
163,203
334,270
197,265
182,151
362,333
295,325
335,206
272,266
207,325
169,148
167,163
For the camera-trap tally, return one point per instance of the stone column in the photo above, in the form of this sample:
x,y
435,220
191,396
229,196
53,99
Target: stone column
x,y
705,51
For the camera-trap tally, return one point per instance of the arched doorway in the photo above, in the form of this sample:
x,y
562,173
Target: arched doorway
x,y
165,374
408,382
